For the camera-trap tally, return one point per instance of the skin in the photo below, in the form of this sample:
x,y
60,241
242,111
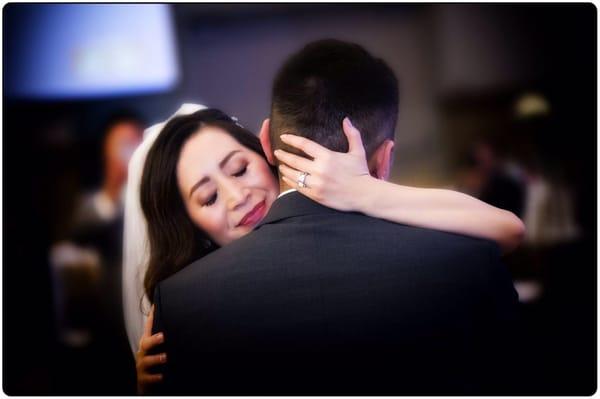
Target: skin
x,y
339,180
344,181
120,142
219,188
144,362
225,183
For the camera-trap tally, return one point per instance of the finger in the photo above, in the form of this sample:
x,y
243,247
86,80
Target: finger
x,y
309,147
152,341
292,175
355,143
149,322
295,161
294,184
140,343
151,378
149,361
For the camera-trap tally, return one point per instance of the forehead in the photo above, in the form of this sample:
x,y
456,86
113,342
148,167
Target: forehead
x,y
203,152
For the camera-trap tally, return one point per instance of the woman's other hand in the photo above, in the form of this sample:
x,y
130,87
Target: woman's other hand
x,y
334,178
143,361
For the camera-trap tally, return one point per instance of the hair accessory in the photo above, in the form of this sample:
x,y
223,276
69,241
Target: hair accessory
x,y
235,120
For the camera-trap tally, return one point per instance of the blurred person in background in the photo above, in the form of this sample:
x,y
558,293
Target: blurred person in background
x,y
532,182
87,266
549,212
122,135
487,178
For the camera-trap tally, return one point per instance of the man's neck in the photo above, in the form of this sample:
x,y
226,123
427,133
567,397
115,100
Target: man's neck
x,y
284,187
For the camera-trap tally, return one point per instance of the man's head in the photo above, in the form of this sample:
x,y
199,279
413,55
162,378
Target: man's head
x,y
123,132
323,83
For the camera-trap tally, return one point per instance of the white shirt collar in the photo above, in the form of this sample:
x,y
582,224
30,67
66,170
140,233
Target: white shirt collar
x,y
286,192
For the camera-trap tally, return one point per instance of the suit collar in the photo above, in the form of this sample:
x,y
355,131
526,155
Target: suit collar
x,y
292,205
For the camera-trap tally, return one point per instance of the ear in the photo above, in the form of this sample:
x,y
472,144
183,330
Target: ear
x,y
265,141
381,161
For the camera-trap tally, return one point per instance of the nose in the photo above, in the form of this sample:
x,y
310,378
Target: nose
x,y
236,194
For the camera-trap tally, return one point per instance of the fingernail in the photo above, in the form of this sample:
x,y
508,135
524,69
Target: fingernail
x,y
284,137
163,358
348,121
161,337
276,152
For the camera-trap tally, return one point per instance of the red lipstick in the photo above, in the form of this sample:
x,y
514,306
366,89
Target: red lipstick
x,y
255,215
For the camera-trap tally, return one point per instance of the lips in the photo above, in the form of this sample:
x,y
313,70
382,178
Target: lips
x,y
254,216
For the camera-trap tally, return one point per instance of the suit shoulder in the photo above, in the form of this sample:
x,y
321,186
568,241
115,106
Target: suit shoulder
x,y
214,266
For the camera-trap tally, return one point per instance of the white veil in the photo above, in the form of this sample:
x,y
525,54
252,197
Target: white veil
x,y
135,241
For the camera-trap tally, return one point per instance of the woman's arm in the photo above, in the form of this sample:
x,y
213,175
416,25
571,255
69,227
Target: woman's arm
x,y
342,181
440,209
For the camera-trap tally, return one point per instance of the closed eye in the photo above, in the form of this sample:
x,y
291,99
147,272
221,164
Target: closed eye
x,y
211,200
241,171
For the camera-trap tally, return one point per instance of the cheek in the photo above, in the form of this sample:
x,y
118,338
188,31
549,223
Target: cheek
x,y
264,178
211,220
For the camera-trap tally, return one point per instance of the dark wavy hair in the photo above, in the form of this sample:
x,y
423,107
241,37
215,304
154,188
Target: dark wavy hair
x,y
175,241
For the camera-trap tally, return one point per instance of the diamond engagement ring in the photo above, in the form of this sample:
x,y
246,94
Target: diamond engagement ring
x,y
302,180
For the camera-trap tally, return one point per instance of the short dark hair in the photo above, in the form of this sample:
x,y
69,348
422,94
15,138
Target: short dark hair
x,y
174,240
326,81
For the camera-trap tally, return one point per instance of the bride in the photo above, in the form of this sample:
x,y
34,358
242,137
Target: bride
x,y
169,222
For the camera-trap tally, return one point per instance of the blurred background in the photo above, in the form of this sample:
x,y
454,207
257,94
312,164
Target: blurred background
x,y
498,101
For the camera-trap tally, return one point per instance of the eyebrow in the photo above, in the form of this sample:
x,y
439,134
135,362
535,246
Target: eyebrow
x,y
205,178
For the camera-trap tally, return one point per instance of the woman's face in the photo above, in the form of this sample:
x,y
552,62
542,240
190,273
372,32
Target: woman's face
x,y
226,188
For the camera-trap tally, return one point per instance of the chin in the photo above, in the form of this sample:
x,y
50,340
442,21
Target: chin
x,y
270,199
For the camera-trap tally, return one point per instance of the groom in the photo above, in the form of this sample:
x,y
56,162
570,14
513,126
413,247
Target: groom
x,y
317,301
